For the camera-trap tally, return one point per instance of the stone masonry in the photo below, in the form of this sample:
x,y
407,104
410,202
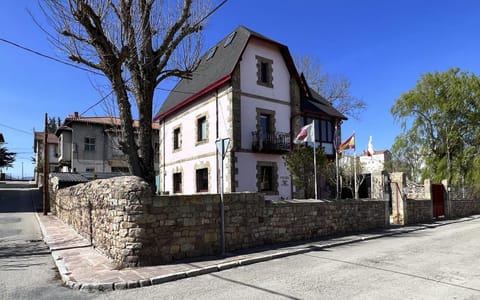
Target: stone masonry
x,y
132,227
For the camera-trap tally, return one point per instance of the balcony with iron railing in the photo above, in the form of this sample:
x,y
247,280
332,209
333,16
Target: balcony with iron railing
x,y
276,142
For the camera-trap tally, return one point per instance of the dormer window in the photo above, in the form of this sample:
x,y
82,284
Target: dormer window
x,y
264,71
211,53
229,39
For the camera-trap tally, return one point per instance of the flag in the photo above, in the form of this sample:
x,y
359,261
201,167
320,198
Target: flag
x,y
370,150
348,144
306,134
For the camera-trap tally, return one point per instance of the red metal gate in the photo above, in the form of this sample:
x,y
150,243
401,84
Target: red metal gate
x,y
438,200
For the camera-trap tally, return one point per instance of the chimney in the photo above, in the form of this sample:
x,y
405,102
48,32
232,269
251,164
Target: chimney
x,y
76,114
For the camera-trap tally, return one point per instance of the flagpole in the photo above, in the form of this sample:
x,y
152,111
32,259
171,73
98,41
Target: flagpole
x,y
315,158
336,160
355,174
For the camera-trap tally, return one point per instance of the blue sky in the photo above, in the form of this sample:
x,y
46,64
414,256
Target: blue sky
x,y
382,47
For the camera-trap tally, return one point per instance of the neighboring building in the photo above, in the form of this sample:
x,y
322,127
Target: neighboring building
x,y
90,146
53,153
375,163
246,88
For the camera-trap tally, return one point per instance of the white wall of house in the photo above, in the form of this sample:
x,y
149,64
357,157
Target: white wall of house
x,y
254,97
248,67
192,154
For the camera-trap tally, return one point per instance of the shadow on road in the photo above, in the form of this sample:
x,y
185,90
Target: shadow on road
x,y
15,200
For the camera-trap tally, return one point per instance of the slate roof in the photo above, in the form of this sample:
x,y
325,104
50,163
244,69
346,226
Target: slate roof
x,y
316,103
214,71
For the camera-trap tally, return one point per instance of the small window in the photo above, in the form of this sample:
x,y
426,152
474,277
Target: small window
x,y
89,144
266,184
229,39
177,182
264,71
90,170
202,180
176,139
211,53
202,129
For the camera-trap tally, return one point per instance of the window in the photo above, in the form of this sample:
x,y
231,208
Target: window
x,y
176,139
177,182
326,131
264,72
202,180
202,129
267,177
265,125
324,134
229,39
89,144
89,170
266,184
211,53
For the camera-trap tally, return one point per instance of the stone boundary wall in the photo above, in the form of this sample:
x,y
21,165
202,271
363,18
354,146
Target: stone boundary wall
x,y
419,211
134,228
463,208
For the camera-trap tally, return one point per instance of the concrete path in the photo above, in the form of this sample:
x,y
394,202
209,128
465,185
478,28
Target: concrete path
x,y
83,267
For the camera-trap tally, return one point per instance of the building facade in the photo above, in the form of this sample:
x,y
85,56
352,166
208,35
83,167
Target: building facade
x,y
246,89
91,146
52,150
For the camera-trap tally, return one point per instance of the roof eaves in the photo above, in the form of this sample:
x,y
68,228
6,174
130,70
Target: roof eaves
x,y
193,98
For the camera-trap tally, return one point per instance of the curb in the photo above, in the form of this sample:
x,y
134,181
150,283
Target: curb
x,y
281,253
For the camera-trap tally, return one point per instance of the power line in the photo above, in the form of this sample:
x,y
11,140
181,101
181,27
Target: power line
x,y
203,19
49,57
16,129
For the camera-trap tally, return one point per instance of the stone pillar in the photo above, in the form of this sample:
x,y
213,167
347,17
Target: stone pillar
x,y
427,184
376,185
399,202
446,199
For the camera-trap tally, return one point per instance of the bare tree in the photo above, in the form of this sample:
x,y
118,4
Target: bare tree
x,y
137,44
335,89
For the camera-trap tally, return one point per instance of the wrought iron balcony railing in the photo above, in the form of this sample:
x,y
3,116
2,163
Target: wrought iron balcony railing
x,y
277,142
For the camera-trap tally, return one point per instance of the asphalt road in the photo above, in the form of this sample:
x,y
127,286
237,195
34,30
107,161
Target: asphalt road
x,y
27,270
438,263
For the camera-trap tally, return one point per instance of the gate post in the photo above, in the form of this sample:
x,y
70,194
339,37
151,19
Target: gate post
x,y
399,203
447,201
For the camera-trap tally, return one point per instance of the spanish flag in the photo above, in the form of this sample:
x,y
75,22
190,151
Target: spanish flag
x,y
348,144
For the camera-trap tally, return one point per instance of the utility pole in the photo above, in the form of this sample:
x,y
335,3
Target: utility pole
x,y
45,167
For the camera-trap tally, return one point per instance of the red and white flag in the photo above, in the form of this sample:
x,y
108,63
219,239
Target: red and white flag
x,y
370,151
306,134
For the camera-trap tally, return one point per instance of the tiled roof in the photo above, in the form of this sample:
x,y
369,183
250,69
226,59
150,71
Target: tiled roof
x,y
102,120
51,137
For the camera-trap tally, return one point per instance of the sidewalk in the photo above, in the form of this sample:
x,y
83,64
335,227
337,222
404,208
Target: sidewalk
x,y
82,267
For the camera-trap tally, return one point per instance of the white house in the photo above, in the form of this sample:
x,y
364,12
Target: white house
x,y
90,146
247,89
375,163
